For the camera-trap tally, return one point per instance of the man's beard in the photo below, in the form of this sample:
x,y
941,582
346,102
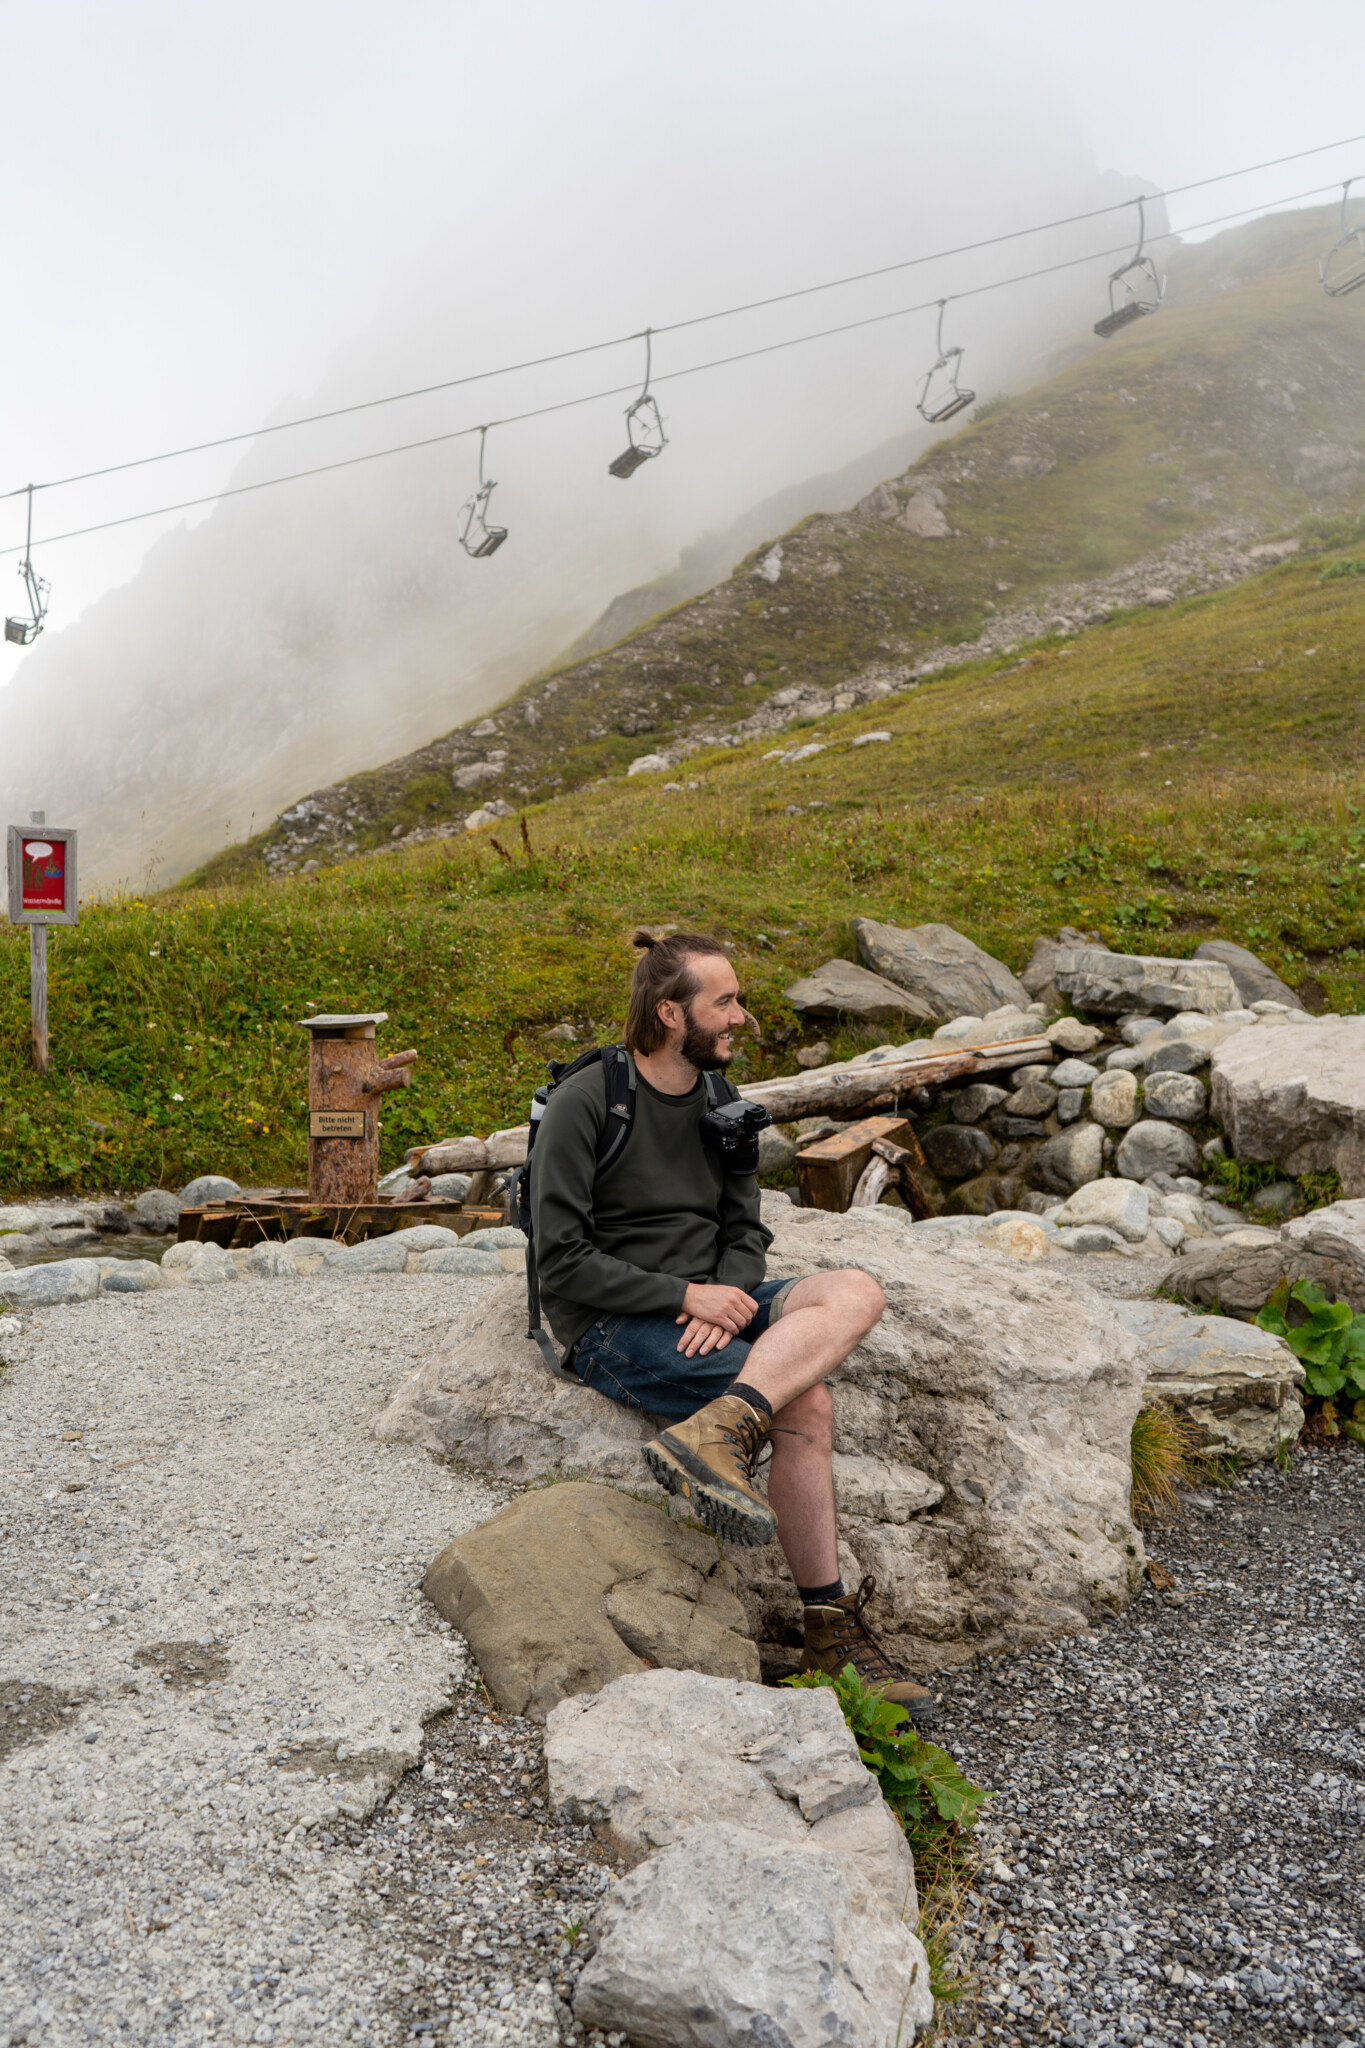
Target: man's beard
x,y
699,1047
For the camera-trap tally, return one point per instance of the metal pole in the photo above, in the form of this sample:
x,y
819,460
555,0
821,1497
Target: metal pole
x,y
37,968
37,978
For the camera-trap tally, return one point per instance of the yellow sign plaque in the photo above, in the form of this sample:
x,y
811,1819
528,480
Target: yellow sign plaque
x,y
336,1123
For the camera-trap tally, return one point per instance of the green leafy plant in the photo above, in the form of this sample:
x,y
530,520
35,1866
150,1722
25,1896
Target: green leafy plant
x,y
1328,1339
921,1784
1348,565
1242,1178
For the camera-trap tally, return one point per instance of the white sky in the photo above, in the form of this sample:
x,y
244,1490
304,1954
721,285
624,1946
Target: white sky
x,y
213,212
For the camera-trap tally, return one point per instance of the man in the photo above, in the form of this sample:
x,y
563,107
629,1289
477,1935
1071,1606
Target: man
x,y
652,1275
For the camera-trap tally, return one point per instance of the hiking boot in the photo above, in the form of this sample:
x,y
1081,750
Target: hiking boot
x,y
837,1635
710,1460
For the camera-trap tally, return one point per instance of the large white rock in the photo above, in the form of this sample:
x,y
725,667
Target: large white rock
x,y
1296,1094
59,1280
1116,984
1155,1146
1120,1205
727,1938
1238,1384
842,989
947,974
1113,1099
996,1379
656,1752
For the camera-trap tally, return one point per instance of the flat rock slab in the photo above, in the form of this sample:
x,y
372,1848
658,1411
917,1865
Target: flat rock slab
x,y
59,1280
1256,983
572,1586
1123,984
1296,1095
842,989
728,1938
654,1755
946,974
1237,1384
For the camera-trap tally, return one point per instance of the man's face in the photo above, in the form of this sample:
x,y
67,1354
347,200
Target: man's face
x,y
711,1018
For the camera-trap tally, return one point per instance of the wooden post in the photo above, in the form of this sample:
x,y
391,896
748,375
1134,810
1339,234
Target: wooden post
x,y
37,976
344,1079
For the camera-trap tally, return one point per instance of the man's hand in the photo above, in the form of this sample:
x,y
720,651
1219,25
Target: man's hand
x,y
701,1337
729,1307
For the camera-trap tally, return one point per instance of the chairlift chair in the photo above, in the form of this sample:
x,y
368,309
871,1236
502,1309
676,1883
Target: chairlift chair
x,y
477,537
23,632
1134,288
1342,269
644,427
949,399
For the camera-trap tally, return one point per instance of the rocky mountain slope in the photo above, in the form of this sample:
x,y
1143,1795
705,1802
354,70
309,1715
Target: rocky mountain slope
x,y
1177,457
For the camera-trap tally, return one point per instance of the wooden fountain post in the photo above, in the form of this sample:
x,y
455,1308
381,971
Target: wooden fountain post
x,y
345,1080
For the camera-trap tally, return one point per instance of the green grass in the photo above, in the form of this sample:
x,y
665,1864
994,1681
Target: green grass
x,y
1170,776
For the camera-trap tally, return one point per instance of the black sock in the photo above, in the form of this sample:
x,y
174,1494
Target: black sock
x,y
752,1396
821,1596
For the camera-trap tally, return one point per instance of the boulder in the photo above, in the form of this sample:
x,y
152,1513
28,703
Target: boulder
x,y
1180,1096
373,1255
210,1187
1037,976
1083,1238
156,1211
211,1267
840,989
1114,1100
572,1586
727,1937
59,1280
945,974
1069,1160
1239,1272
467,1260
1156,1147
1074,1037
776,1154
1237,1384
1073,1073
1254,981
1032,1098
130,1276
271,1261
977,1101
656,1754
1117,1205
1114,984
17,1217
985,1375
1295,1094
957,1151
1070,1104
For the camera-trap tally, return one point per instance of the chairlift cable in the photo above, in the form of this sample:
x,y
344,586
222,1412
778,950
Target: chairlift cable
x,y
678,326
667,377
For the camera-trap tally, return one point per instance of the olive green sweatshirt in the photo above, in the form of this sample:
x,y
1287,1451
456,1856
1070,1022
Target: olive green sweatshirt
x,y
662,1215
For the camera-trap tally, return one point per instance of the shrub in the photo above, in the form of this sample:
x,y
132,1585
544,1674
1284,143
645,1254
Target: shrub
x,y
1328,1339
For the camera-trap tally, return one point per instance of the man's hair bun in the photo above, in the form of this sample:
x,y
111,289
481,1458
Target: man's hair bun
x,y
643,939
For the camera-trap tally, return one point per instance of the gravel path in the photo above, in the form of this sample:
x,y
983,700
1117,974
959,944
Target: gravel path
x,y
1180,1797
212,1640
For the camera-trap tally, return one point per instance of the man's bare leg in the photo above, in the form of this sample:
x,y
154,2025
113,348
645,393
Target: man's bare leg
x,y
801,1486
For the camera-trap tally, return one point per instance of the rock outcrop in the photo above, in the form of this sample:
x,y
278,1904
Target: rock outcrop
x,y
1256,983
1327,1246
946,974
1296,1095
572,1586
842,989
1237,1384
1124,984
999,1383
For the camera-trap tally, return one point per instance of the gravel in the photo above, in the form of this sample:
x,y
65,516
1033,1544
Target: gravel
x,y
1175,1851
215,1660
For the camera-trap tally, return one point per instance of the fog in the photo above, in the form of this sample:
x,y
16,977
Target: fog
x,y
222,218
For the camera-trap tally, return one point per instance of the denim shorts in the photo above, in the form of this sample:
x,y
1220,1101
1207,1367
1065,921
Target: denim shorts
x,y
635,1359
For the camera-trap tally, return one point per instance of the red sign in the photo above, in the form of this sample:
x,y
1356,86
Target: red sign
x,y
43,885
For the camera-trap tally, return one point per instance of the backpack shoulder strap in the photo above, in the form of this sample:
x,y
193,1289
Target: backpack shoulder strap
x,y
719,1089
618,1072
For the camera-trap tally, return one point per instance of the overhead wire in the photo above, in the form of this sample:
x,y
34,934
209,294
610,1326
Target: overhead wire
x,y
665,377
677,326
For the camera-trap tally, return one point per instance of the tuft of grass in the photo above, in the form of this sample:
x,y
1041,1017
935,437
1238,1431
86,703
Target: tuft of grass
x,y
1165,1456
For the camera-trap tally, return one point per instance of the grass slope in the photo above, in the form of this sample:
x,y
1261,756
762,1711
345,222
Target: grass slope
x,y
1176,427
1168,776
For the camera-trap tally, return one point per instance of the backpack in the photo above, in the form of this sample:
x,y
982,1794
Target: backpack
x,y
619,1079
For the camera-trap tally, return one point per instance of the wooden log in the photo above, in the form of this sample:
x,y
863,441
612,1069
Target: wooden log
x,y
847,1091
344,1078
890,1165
828,1171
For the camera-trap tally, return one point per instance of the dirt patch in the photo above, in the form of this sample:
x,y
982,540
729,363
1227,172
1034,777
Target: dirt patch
x,y
183,1665
29,1712
320,1760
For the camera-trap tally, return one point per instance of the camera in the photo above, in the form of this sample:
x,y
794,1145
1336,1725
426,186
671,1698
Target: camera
x,y
731,1129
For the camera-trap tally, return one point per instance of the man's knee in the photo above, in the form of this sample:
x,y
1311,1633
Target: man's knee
x,y
861,1294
